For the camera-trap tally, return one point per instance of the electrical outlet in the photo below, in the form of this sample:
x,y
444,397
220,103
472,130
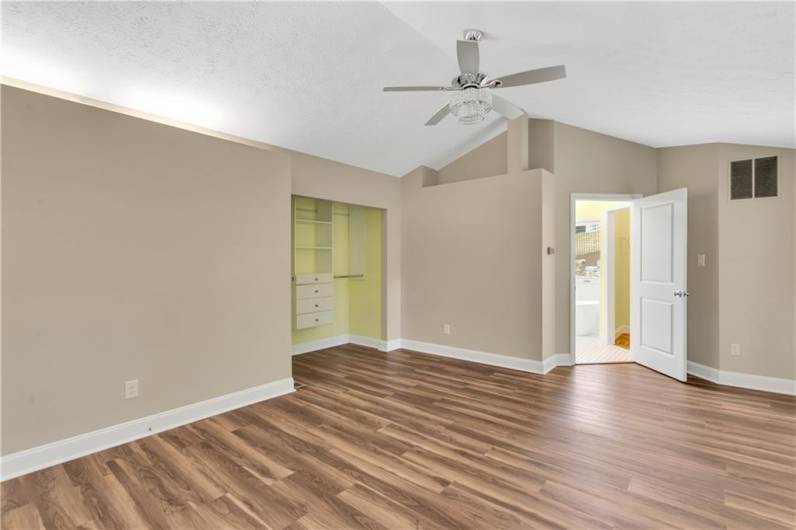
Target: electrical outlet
x,y
735,350
700,260
446,329
131,389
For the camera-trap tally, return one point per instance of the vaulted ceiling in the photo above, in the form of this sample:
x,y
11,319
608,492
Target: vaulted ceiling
x,y
308,76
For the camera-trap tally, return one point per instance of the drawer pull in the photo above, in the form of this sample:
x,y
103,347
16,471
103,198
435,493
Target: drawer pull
x,y
316,318
316,291
316,305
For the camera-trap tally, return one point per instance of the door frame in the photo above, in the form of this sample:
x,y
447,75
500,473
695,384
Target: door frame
x,y
574,198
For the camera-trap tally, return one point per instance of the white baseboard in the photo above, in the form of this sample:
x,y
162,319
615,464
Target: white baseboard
x,y
22,462
369,342
394,344
320,344
339,340
750,381
493,359
558,359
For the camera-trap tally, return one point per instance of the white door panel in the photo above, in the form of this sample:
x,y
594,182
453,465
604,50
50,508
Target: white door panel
x,y
658,282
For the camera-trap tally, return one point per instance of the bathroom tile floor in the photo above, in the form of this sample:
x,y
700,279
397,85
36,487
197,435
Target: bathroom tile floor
x,y
592,350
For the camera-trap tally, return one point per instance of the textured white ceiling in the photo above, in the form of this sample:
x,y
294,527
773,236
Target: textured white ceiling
x,y
308,76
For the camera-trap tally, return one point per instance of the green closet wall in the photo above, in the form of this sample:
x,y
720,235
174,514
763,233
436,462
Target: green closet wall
x,y
357,301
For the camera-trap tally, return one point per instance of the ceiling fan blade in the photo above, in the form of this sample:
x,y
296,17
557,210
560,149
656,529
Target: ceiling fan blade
x,y
540,75
505,108
441,113
467,52
414,88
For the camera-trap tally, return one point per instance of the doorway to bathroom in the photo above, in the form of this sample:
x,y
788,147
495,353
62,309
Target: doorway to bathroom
x,y
601,278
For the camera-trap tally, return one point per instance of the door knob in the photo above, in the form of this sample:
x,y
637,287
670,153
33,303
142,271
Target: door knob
x,y
681,293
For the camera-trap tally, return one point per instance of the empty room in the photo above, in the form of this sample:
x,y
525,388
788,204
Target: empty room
x,y
398,265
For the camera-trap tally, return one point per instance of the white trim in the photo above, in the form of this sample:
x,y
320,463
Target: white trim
x,y
738,379
341,340
493,359
394,344
574,197
559,359
29,460
369,342
320,344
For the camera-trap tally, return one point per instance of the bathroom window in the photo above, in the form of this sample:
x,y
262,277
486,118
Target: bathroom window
x,y
753,178
587,248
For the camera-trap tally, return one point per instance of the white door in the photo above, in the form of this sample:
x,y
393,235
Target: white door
x,y
658,290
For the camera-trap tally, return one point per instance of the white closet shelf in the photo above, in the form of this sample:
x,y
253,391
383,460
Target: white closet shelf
x,y
302,247
313,221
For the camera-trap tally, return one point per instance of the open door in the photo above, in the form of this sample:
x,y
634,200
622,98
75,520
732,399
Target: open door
x,y
658,291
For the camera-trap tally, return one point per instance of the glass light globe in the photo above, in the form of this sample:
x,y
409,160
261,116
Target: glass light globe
x,y
471,105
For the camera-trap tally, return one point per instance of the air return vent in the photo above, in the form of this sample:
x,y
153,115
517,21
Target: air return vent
x,y
753,178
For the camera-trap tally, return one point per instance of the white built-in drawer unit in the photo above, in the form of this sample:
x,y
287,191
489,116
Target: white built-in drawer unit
x,y
313,305
313,277
310,320
315,290
313,243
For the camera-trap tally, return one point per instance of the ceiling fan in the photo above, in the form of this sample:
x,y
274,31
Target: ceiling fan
x,y
472,98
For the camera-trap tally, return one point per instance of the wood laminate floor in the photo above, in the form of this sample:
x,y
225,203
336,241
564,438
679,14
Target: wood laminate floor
x,y
406,441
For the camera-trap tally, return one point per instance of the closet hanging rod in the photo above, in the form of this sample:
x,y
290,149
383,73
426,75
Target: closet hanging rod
x,y
293,278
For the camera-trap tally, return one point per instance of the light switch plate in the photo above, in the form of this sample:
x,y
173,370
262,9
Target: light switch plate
x,y
735,350
131,389
700,260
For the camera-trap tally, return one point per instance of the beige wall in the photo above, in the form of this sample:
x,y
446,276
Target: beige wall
x,y
133,250
582,161
745,293
695,168
548,263
473,260
490,158
757,270
137,250
486,160
589,162
326,179
541,144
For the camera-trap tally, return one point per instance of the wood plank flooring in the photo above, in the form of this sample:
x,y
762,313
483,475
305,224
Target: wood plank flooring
x,y
409,441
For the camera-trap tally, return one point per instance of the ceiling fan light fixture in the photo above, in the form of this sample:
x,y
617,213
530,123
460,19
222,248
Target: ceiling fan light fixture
x,y
471,105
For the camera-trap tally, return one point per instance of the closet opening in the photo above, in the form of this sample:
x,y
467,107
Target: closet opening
x,y
600,279
337,269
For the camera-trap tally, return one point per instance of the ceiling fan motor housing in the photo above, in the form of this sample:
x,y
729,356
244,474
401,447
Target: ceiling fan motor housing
x,y
473,34
467,80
